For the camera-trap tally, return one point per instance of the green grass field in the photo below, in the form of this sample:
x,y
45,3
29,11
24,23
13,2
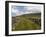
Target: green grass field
x,y
24,22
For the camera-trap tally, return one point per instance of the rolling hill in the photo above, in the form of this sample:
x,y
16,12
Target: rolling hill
x,y
26,22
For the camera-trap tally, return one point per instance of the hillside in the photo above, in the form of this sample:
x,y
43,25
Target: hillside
x,y
27,22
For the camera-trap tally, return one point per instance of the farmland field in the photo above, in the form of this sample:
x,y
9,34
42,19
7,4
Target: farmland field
x,y
26,22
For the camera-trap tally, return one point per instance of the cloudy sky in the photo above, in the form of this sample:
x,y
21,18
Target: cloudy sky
x,y
20,10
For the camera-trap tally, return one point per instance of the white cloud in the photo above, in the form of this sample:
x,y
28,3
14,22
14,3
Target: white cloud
x,y
34,8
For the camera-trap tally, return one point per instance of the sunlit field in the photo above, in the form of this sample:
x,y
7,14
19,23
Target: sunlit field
x,y
26,22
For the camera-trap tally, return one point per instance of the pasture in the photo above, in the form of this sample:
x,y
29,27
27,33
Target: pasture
x,y
26,22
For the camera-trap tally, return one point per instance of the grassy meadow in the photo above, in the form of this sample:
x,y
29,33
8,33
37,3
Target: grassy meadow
x,y
26,22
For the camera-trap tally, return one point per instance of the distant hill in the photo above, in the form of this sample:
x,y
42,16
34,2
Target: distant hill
x,y
31,14
28,14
